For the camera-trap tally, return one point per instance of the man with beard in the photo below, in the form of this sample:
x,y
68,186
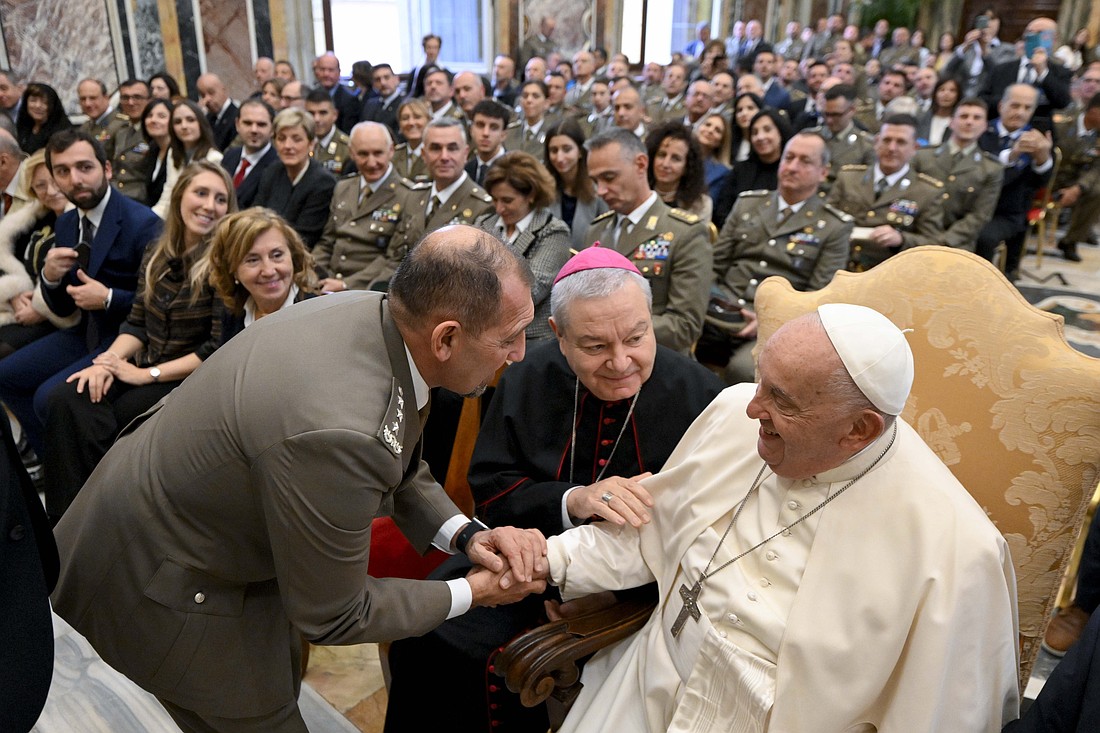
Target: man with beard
x,y
568,432
93,268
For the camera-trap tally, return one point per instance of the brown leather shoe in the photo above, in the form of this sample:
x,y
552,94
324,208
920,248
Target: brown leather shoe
x,y
1064,630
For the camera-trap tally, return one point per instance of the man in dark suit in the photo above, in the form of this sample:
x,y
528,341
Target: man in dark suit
x,y
763,66
431,44
268,534
28,571
1025,154
221,111
326,68
246,164
488,125
505,88
93,269
1050,78
383,107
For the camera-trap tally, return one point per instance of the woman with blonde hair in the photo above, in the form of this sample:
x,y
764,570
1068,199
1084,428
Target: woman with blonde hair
x,y
297,187
413,116
26,234
257,265
174,324
522,189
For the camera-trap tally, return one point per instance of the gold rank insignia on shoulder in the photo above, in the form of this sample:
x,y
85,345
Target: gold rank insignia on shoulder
x,y
685,216
603,216
930,179
854,167
651,223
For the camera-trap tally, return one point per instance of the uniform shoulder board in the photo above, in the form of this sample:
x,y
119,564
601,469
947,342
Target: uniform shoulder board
x,y
844,217
481,195
930,179
343,137
854,167
604,215
760,192
816,129
400,146
417,185
685,216
121,117
991,158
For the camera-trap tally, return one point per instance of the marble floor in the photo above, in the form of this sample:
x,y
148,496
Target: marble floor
x,y
344,690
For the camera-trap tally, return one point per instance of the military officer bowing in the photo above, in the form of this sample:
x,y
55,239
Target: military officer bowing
x,y
894,207
790,232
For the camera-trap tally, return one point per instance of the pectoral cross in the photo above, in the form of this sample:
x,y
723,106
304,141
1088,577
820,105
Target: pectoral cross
x,y
691,605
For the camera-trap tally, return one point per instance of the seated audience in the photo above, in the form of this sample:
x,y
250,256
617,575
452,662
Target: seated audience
x,y
247,162
790,232
545,458
713,137
1077,184
41,114
528,133
768,135
98,290
522,191
676,168
192,139
745,107
26,235
271,92
174,324
257,265
575,202
298,188
807,484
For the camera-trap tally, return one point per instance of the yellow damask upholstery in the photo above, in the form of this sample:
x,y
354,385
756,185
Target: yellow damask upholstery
x,y
999,395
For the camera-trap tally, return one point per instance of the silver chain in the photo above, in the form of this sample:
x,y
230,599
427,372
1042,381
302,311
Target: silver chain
x,y
706,574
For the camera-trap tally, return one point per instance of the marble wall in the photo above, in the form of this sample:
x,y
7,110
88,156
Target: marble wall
x,y
63,41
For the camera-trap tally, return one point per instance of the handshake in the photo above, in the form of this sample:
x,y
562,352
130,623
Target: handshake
x,y
509,565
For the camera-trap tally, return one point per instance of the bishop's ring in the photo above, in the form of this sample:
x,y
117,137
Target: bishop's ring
x,y
607,497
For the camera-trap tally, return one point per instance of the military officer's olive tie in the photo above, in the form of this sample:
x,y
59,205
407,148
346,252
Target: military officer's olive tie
x,y
364,194
432,206
621,230
881,186
785,213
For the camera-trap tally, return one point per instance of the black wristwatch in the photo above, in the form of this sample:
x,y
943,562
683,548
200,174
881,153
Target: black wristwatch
x,y
463,538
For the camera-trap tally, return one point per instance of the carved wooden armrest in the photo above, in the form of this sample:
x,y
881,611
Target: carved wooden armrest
x,y
543,661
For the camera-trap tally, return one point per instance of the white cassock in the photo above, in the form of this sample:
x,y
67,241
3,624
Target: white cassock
x,y
891,609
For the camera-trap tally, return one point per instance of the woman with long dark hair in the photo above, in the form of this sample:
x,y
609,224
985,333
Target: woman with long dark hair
x,y
768,135
933,126
164,86
745,107
576,202
676,168
41,114
156,128
192,140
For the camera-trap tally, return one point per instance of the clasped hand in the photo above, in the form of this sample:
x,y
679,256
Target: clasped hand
x,y
105,369
510,564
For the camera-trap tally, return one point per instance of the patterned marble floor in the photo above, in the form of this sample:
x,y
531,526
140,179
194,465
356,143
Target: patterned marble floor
x,y
88,696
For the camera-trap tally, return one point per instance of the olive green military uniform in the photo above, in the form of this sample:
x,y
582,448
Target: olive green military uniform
x,y
806,247
358,244
867,114
661,110
850,146
517,138
467,203
336,156
106,132
408,164
972,184
672,250
132,163
913,206
1079,168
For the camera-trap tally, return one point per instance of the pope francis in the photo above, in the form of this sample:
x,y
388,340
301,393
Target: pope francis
x,y
846,582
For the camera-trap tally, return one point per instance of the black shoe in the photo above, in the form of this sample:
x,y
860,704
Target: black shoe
x,y
1069,250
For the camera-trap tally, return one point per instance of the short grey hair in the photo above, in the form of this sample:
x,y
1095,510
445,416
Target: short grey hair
x,y
598,283
444,122
630,144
